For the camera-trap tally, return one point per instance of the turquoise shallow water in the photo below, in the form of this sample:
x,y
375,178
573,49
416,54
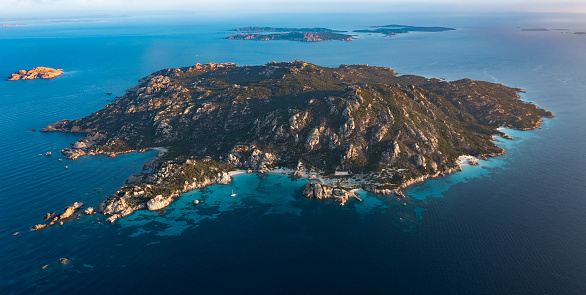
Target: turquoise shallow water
x,y
513,225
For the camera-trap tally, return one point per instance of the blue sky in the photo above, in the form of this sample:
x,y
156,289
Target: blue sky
x,y
36,7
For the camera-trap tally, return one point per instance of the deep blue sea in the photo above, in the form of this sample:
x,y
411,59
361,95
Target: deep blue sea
x,y
516,224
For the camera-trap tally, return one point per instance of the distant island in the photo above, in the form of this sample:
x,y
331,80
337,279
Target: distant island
x,y
36,73
390,30
344,128
292,34
535,30
321,34
10,25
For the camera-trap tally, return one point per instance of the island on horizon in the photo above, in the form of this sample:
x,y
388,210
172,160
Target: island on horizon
x,y
36,73
292,34
344,128
10,25
391,30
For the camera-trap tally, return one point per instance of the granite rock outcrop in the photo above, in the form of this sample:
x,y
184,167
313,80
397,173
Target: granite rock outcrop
x,y
36,73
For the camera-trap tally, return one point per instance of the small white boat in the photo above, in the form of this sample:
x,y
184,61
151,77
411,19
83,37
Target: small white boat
x,y
233,194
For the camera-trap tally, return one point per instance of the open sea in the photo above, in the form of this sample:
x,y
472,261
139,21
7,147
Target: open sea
x,y
515,224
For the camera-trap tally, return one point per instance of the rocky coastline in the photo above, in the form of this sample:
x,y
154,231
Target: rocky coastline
x,y
36,73
156,190
382,132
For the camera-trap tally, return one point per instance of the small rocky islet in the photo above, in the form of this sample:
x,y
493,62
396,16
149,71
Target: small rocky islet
x,y
36,73
375,129
68,213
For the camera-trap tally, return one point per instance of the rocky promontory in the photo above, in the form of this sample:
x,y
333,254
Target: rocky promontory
x,y
36,73
156,190
350,127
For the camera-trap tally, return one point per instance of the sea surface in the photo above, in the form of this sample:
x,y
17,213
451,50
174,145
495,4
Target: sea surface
x,y
515,224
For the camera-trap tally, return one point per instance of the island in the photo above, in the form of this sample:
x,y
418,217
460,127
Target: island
x,y
344,128
36,73
293,34
535,30
390,30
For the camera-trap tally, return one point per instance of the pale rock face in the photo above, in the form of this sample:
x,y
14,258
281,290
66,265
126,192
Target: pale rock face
x,y
312,139
89,211
298,121
352,153
158,203
233,161
347,128
396,149
70,210
261,161
118,208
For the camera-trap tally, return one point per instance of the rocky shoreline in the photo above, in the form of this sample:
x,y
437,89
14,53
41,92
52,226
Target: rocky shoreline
x,y
138,194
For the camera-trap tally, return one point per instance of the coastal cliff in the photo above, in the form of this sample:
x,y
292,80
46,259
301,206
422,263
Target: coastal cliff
x,y
36,73
392,130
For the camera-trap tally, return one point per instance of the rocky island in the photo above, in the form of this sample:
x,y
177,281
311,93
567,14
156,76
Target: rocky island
x,y
390,30
354,126
293,34
36,73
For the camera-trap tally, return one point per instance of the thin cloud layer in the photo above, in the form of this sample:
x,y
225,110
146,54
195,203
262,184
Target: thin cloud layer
x,y
264,6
